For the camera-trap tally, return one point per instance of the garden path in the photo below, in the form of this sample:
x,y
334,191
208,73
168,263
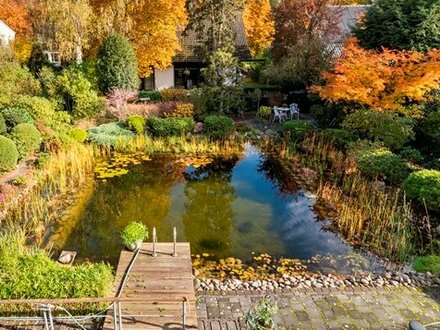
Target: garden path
x,y
367,308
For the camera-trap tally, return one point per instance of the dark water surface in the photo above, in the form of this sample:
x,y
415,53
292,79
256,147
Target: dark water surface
x,y
233,206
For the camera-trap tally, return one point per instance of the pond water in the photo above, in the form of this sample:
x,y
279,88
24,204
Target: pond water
x,y
226,206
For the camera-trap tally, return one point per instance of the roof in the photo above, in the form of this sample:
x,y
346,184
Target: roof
x,y
5,29
349,17
189,43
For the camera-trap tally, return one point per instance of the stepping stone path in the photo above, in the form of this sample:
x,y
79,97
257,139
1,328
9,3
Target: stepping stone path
x,y
355,308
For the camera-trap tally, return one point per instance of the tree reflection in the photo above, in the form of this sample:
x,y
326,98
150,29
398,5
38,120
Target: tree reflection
x,y
208,207
274,171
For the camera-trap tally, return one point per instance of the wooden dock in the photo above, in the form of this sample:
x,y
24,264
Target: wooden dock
x,y
162,283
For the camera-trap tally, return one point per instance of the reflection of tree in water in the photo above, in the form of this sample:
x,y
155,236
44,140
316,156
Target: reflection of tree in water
x,y
208,207
141,195
273,170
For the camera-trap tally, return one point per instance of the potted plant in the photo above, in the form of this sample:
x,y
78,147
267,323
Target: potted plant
x,y
133,235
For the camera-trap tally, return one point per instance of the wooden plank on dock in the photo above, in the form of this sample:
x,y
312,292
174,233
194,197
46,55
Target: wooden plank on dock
x,y
163,282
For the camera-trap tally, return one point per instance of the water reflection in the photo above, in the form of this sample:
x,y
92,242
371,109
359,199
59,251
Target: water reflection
x,y
233,206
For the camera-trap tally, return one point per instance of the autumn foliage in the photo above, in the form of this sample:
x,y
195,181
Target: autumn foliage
x,y
259,25
387,80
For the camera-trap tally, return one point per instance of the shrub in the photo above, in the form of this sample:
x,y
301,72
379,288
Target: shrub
x,y
431,125
151,95
107,135
427,264
137,124
3,127
16,80
382,162
16,115
117,64
80,98
41,109
392,130
119,98
78,134
30,273
296,129
329,115
133,233
27,138
181,110
170,126
264,112
8,154
218,127
339,137
261,316
411,154
424,186
174,94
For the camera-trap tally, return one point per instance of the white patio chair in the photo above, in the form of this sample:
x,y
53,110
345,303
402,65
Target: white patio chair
x,y
294,110
277,114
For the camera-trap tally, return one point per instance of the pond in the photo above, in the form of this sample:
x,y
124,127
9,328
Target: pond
x,y
236,205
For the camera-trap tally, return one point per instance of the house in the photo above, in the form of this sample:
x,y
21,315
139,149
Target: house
x,y
185,70
6,33
348,18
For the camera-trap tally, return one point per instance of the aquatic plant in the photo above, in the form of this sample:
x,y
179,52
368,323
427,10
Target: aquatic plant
x,y
117,164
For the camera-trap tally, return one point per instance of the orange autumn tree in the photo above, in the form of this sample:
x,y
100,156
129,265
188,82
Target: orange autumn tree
x,y
154,34
259,25
387,80
16,14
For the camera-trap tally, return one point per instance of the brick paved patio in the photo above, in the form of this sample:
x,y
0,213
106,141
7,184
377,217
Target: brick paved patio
x,y
325,309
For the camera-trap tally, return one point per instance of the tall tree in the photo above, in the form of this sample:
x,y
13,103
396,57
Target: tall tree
x,y
213,22
63,25
259,24
387,80
401,24
304,29
151,26
15,13
297,21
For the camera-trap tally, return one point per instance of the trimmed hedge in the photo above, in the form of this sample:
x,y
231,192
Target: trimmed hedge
x,y
27,138
296,129
151,95
170,126
8,154
219,127
107,135
381,162
424,186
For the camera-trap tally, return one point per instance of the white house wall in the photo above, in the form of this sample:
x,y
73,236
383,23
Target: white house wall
x,y
164,78
6,33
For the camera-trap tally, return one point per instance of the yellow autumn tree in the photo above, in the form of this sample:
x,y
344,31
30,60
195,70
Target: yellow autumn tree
x,y
16,14
259,25
155,32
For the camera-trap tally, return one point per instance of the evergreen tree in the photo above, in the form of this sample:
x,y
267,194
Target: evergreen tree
x,y
116,65
401,24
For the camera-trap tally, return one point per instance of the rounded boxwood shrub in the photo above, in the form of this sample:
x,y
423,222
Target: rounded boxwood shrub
x,y
16,115
219,127
3,127
134,232
381,162
136,124
170,126
117,65
27,138
424,186
8,154
78,134
107,135
296,129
